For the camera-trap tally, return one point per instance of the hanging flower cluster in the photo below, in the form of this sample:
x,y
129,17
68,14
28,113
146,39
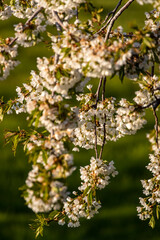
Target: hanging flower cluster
x,y
62,113
120,118
150,204
94,177
7,59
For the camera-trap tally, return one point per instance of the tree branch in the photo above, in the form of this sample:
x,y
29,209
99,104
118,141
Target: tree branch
x,y
113,12
156,126
104,88
95,106
95,134
104,124
115,18
98,90
26,24
58,20
154,104
104,137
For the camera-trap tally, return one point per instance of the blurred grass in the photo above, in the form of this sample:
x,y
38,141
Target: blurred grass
x,y
117,218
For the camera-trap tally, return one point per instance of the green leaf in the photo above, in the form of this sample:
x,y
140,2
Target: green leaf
x,y
152,222
44,155
53,214
157,211
37,119
39,231
66,50
86,191
98,17
16,140
39,224
1,115
112,76
58,74
156,58
85,69
121,74
90,198
148,42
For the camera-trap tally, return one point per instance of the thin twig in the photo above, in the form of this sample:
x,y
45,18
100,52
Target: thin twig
x,y
95,123
34,15
104,88
115,18
154,103
77,13
26,24
104,124
104,137
59,29
98,90
152,71
156,126
95,134
154,109
58,20
113,12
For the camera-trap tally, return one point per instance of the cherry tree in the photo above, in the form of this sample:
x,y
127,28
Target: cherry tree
x,y
63,116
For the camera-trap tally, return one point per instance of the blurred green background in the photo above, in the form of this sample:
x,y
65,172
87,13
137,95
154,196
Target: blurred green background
x,y
118,217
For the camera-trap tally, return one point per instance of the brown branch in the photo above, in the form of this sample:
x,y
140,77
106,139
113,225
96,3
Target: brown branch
x,y
115,18
104,124
95,134
156,126
113,12
77,13
152,71
26,24
58,20
154,104
34,15
98,90
104,88
95,106
104,137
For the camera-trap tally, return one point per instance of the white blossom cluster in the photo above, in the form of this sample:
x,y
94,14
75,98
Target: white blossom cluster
x,y
151,189
94,176
6,12
43,192
155,3
97,174
25,9
150,42
93,58
40,97
60,6
7,59
30,36
90,56
152,22
119,118
80,55
149,91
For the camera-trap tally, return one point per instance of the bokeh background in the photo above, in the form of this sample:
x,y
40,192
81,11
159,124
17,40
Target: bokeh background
x,y
118,217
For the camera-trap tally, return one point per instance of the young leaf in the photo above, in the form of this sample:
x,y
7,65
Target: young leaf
x,y
152,222
157,211
90,198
